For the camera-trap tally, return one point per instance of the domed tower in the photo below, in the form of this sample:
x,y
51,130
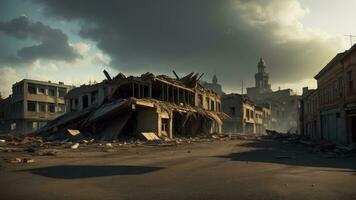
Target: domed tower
x,y
261,77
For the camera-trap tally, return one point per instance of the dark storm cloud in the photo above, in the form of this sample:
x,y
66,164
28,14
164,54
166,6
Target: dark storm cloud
x,y
52,43
222,36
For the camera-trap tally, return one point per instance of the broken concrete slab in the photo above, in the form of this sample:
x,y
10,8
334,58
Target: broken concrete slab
x,y
28,160
149,136
73,132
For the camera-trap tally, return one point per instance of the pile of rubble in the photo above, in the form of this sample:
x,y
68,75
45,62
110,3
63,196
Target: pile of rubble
x,y
331,149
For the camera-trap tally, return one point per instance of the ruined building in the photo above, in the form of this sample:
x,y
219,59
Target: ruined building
x,y
130,106
284,103
214,85
245,115
32,104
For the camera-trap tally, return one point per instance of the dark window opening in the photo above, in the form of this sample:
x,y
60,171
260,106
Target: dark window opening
x,y
136,90
145,91
51,107
42,107
31,106
51,92
85,101
42,90
62,92
31,89
212,105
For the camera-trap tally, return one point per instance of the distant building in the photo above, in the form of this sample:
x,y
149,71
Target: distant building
x,y
261,80
309,114
214,85
245,115
284,103
31,105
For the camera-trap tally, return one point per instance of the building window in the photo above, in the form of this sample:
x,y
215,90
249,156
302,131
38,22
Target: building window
x,y
62,92
31,89
42,90
42,107
51,107
51,91
212,105
31,106
164,125
85,100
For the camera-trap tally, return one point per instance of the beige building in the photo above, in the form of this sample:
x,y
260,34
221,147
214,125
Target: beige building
x,y
245,115
32,104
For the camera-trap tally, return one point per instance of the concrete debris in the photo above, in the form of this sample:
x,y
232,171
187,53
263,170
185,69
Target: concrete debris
x,y
329,149
150,136
74,146
2,141
16,160
73,132
28,160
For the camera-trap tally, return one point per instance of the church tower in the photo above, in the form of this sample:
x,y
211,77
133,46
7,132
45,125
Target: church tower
x,y
261,77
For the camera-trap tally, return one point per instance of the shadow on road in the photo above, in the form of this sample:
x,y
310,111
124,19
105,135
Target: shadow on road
x,y
269,151
88,171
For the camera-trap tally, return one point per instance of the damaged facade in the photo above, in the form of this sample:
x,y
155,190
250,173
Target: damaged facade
x,y
329,112
245,115
129,106
32,104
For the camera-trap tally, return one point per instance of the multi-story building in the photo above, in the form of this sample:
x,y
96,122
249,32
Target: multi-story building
x,y
284,103
329,112
331,96
245,116
32,104
349,82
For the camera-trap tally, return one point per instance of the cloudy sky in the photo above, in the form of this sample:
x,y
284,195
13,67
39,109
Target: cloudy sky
x,y
73,41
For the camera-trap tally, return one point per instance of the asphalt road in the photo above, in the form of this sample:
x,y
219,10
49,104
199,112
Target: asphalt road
x,y
250,169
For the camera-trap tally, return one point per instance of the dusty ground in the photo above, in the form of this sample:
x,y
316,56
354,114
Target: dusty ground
x,y
249,169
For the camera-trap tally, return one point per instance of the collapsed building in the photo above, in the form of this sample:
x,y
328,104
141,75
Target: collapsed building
x,y
131,106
